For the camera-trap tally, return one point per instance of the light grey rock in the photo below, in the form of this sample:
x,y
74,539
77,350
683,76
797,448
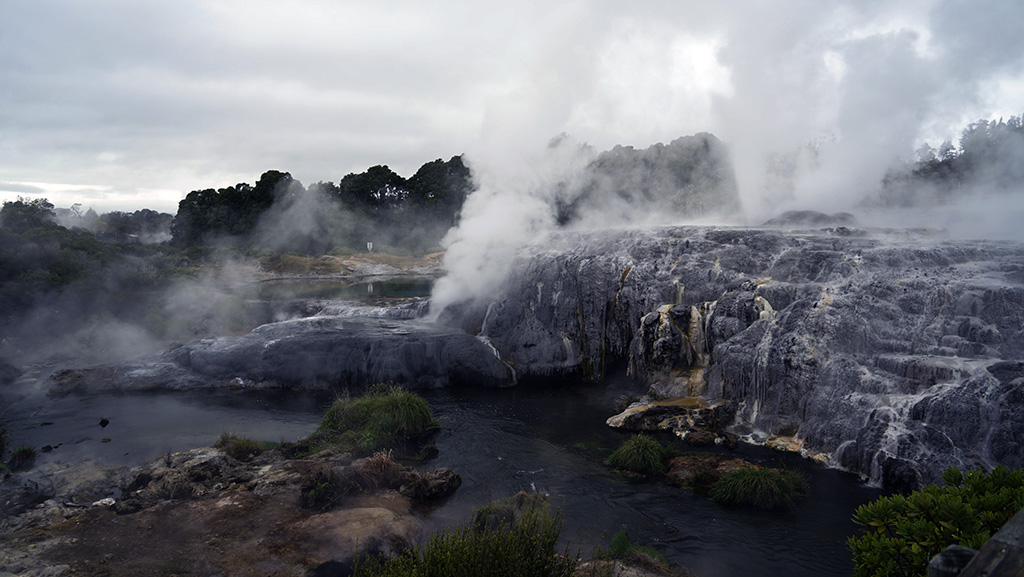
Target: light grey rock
x,y
312,353
897,354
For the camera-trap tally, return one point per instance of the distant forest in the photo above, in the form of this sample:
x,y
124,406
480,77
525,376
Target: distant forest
x,y
990,158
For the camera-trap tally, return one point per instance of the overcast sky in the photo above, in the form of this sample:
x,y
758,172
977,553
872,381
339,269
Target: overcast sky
x,y
131,104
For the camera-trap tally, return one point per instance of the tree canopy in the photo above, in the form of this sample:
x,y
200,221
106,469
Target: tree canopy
x,y
377,205
21,215
990,157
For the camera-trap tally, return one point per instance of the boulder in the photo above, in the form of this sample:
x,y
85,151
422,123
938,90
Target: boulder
x,y
702,469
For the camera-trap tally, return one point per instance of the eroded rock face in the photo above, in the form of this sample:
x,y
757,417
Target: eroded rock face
x,y
310,353
896,353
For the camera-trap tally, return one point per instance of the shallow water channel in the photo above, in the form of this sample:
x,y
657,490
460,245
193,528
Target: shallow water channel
x,y
551,438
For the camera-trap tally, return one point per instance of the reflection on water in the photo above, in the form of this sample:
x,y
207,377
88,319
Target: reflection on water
x,y
551,439
555,440
143,427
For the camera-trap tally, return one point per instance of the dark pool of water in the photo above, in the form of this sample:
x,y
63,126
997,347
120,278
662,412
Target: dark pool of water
x,y
548,438
142,427
555,440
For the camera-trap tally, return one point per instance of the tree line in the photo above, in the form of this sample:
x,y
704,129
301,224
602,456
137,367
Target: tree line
x,y
989,158
377,206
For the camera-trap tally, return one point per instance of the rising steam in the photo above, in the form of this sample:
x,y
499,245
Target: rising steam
x,y
821,101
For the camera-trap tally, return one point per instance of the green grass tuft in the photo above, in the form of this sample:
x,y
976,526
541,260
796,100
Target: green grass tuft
x,y
22,458
242,448
762,488
383,418
526,546
640,454
642,556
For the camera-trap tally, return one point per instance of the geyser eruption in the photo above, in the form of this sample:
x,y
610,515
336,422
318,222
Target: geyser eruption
x,y
816,103
512,204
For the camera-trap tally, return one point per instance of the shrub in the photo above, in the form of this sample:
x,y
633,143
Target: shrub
x,y
322,489
764,488
640,454
241,448
523,547
902,533
22,458
379,470
505,512
642,556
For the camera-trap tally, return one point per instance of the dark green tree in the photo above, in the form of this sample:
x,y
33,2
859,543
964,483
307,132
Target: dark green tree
x,y
21,215
228,212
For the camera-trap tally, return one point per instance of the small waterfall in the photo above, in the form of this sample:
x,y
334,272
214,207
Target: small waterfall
x,y
412,309
487,341
699,330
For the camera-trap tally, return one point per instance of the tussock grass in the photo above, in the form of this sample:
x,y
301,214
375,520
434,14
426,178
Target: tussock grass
x,y
379,470
762,488
386,417
639,556
525,546
242,448
640,454
22,458
383,417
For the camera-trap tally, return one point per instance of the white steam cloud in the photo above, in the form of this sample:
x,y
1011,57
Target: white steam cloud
x,y
816,101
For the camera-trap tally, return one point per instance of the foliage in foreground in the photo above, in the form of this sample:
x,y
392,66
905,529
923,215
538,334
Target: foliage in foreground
x,y
385,417
22,458
643,556
640,454
242,448
902,533
764,488
523,545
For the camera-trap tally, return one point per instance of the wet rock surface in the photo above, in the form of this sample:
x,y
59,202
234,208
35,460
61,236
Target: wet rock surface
x,y
890,353
702,469
204,512
895,353
8,372
697,421
323,352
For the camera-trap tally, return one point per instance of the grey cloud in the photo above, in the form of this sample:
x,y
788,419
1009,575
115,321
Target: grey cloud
x,y
184,95
20,188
